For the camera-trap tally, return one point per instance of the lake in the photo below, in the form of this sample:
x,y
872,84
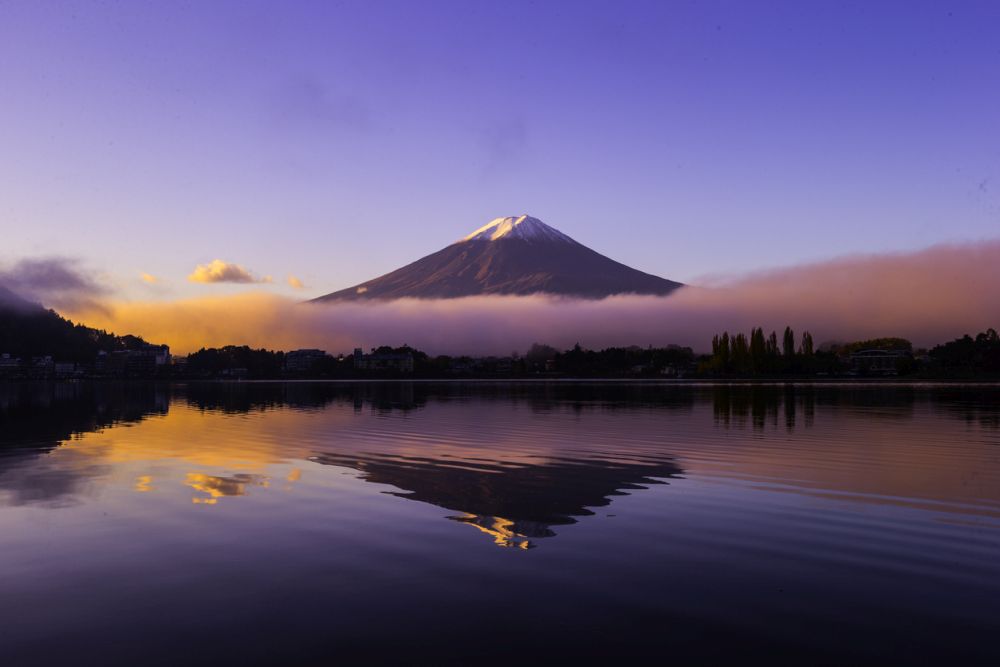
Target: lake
x,y
465,523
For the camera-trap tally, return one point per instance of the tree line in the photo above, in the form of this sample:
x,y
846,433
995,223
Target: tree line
x,y
739,354
35,332
28,331
968,356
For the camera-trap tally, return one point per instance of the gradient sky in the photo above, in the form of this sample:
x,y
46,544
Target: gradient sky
x,y
338,140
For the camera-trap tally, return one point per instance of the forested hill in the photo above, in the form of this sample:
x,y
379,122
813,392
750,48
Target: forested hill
x,y
29,330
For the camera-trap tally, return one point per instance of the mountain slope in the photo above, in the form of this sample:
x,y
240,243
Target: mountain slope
x,y
513,255
27,329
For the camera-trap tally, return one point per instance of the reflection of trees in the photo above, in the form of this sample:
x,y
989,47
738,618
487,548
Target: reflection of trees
x,y
39,415
578,396
971,404
405,396
740,405
237,397
242,397
35,418
513,503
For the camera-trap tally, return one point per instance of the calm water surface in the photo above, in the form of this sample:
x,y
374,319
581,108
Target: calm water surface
x,y
424,523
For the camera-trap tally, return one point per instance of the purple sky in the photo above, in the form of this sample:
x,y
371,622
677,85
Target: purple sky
x,y
339,140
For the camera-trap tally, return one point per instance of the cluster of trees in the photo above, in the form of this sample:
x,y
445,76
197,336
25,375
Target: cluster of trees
x,y
738,355
968,355
888,343
619,361
261,364
242,361
756,354
31,331
218,361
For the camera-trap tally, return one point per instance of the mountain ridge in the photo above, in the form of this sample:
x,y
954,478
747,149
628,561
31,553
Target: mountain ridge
x,y
512,255
28,329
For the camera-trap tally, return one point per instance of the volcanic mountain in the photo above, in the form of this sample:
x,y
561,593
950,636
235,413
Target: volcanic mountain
x,y
513,255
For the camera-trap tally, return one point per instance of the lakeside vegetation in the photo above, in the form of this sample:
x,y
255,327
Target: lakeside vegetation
x,y
734,356
28,331
37,343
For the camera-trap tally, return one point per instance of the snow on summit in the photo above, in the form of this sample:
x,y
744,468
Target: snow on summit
x,y
522,227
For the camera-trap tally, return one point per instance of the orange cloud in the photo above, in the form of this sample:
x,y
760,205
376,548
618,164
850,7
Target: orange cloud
x,y
295,282
218,271
149,278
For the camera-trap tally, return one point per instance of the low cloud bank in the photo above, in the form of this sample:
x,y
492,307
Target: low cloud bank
x,y
929,296
57,282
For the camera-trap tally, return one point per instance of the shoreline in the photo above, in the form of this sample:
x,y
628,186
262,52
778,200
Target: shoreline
x,y
681,382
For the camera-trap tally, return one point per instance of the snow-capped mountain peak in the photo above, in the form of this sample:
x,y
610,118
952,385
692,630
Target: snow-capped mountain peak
x,y
522,227
511,256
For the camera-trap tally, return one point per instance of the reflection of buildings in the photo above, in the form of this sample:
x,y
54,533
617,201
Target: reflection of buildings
x,y
512,503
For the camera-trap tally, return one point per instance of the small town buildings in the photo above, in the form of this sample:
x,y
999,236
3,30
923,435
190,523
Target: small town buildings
x,y
301,361
877,361
9,366
65,370
383,361
145,361
41,367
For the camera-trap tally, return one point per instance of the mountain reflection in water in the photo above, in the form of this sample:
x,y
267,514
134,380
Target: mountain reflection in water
x,y
795,524
511,503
